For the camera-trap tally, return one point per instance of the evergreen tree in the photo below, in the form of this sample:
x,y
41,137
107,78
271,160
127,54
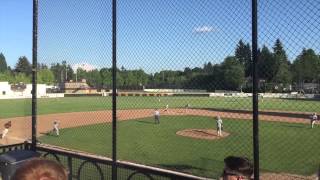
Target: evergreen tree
x,y
3,63
283,74
306,68
23,66
233,73
243,55
267,67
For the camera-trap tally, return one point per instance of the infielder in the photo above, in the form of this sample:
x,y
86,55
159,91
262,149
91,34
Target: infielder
x,y
314,118
187,106
157,116
167,107
6,129
56,127
219,125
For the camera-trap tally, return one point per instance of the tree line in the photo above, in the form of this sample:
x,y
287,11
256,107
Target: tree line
x,y
233,73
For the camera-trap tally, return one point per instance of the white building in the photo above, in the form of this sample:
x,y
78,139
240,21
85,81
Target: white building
x,y
8,91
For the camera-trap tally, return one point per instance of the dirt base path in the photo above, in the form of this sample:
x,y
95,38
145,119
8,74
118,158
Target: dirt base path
x,y
21,126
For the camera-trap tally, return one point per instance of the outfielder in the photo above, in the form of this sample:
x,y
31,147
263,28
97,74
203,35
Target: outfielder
x,y
219,125
157,116
314,118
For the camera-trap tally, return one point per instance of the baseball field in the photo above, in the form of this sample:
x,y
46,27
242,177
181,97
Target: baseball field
x,y
287,143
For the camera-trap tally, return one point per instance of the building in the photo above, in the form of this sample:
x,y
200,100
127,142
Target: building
x,y
77,88
20,90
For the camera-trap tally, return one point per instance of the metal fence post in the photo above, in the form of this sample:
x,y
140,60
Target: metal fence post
x,y
114,90
34,74
255,100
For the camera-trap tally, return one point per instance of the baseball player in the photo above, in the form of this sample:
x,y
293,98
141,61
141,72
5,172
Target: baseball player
x,y
6,129
56,127
261,97
314,118
156,116
187,106
219,125
167,107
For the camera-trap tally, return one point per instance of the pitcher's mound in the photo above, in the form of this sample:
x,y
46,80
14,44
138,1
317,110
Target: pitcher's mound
x,y
209,134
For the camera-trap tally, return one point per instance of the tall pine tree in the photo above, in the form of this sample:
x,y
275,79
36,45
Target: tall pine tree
x,y
23,66
283,74
243,55
3,63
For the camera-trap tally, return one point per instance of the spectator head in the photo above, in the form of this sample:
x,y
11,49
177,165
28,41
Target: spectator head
x,y
237,168
40,169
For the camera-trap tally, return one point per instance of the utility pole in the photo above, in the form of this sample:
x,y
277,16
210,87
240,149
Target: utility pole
x,y
77,75
66,69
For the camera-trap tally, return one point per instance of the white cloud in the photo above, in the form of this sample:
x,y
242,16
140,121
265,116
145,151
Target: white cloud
x,y
85,66
203,29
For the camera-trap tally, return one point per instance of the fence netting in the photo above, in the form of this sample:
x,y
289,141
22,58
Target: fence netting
x,y
175,53
184,83
288,71
74,58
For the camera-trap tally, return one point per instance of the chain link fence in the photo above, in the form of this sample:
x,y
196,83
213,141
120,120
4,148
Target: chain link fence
x,y
288,69
184,85
190,62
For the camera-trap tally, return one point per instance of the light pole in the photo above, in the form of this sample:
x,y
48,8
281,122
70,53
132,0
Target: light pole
x,y
77,75
66,69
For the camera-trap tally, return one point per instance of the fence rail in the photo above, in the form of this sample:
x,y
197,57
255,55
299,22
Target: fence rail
x,y
76,163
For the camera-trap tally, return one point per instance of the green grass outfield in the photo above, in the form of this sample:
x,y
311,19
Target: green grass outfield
x,y
285,147
22,107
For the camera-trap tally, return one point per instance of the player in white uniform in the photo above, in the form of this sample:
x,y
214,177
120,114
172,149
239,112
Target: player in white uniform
x,y
6,129
187,106
4,133
314,118
157,116
56,127
167,107
219,125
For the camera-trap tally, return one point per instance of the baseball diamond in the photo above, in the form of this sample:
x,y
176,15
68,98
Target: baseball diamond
x,y
93,122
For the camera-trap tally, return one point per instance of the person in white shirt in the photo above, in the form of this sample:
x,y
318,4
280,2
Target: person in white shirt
x,y
314,118
4,133
6,129
187,106
219,125
156,116
167,107
56,127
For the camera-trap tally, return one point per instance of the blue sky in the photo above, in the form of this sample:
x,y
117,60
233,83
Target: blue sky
x,y
153,34
15,29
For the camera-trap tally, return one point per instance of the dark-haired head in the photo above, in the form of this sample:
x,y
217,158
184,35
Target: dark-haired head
x,y
237,167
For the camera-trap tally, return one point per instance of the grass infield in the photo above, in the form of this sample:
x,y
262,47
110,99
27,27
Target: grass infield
x,y
284,147
22,107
